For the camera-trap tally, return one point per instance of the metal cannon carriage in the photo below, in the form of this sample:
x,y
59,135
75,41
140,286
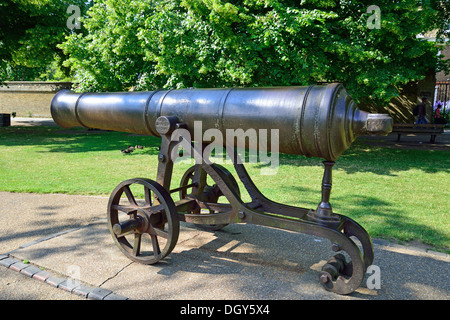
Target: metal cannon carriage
x,y
318,120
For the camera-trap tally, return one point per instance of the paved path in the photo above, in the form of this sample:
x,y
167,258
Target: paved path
x,y
17,121
66,241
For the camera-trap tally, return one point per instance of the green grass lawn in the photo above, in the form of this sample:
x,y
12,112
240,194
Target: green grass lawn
x,y
393,193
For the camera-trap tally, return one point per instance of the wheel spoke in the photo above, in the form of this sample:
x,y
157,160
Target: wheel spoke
x,y
137,244
126,209
148,197
155,244
155,209
161,233
129,195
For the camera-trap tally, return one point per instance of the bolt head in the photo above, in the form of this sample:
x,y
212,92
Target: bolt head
x,y
324,278
335,247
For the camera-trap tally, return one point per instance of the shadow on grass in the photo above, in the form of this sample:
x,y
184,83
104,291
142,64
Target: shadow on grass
x,y
380,217
383,219
75,140
360,157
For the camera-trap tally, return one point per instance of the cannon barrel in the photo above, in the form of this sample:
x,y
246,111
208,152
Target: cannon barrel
x,y
317,120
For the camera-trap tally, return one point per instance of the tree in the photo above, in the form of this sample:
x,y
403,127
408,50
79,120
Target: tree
x,y
30,31
213,43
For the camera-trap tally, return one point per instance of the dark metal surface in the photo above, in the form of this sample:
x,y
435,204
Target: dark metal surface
x,y
319,121
195,182
146,231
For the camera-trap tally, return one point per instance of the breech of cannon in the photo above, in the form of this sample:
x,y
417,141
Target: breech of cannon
x,y
318,120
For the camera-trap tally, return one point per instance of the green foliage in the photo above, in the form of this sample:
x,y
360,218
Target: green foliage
x,y
29,33
11,72
51,72
212,43
110,56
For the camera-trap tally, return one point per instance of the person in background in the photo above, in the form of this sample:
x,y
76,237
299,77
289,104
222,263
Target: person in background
x,y
438,118
437,113
421,111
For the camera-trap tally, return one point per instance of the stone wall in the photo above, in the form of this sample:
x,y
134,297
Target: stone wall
x,y
29,98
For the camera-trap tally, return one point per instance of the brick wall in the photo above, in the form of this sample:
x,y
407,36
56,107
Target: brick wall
x,y
441,76
29,98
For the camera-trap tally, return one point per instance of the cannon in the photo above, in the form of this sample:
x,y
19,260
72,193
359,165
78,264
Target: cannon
x,y
316,121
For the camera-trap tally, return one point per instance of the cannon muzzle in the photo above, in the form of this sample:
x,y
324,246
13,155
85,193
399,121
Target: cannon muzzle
x,y
318,120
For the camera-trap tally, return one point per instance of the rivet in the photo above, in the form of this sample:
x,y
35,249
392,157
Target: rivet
x,y
335,247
